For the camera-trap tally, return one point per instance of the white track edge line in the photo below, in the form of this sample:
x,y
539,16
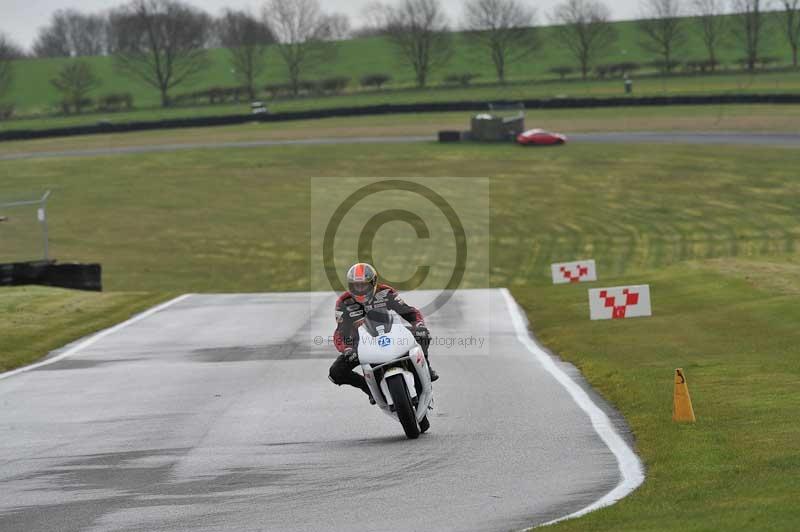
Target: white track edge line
x,y
95,337
630,467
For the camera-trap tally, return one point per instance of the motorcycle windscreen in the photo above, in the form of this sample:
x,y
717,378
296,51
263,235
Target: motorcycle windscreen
x,y
379,321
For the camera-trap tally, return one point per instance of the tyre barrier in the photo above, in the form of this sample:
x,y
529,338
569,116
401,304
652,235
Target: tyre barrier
x,y
432,107
49,273
449,136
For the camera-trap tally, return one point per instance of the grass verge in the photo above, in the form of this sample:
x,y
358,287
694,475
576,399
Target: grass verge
x,y
37,320
731,325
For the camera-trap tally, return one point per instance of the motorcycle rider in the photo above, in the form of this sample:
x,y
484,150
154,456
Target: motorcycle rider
x,y
365,294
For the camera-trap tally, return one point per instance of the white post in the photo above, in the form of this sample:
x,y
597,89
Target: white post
x,y
43,219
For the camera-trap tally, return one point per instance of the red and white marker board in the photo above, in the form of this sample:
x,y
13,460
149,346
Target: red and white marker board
x,y
620,302
574,272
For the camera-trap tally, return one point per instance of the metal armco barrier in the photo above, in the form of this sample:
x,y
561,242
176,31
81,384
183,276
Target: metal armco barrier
x,y
433,107
49,273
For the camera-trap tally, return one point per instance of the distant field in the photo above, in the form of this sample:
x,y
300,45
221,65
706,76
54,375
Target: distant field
x,y
33,94
715,231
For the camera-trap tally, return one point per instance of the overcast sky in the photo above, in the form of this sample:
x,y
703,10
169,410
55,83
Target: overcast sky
x,y
19,19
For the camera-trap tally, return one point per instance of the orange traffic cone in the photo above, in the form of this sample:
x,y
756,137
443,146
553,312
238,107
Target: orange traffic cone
x,y
682,403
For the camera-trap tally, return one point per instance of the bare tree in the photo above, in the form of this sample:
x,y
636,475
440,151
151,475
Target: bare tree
x,y
8,53
302,33
88,34
71,33
713,26
52,41
662,29
748,27
585,30
75,81
505,28
418,29
247,40
338,27
374,23
160,42
791,14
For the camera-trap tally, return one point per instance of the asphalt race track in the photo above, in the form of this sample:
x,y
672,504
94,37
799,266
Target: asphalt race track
x,y
215,413
738,139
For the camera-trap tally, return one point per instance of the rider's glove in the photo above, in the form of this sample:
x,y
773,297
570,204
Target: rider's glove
x,y
420,331
350,355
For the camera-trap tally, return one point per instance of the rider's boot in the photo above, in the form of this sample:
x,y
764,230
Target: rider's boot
x,y
434,375
367,391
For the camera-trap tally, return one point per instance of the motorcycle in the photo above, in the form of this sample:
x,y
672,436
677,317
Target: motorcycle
x,y
396,371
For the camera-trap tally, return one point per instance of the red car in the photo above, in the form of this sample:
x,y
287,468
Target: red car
x,y
540,137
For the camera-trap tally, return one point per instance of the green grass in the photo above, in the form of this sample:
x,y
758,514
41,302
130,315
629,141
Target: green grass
x,y
731,325
34,95
233,219
37,320
715,231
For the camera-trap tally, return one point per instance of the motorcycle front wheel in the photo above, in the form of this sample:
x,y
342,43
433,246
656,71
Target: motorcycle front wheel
x,y
402,406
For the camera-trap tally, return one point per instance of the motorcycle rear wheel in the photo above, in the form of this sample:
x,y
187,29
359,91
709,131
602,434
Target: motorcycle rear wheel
x,y
402,405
